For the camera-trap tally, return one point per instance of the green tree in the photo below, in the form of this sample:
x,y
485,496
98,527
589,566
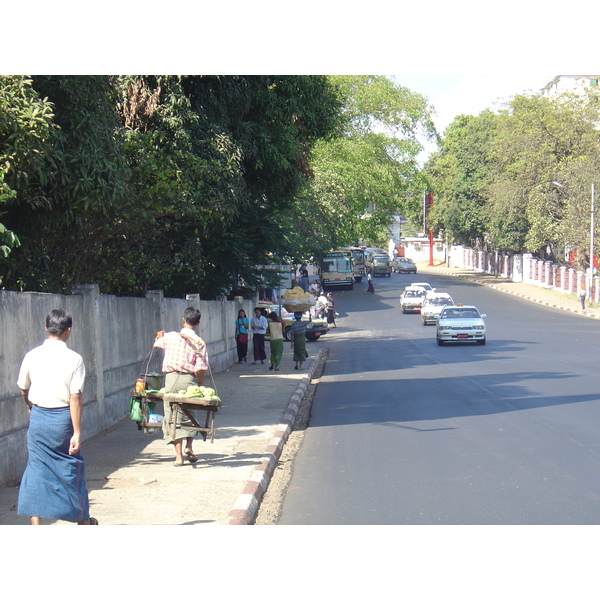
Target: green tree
x,y
216,165
460,175
541,140
25,128
66,185
369,171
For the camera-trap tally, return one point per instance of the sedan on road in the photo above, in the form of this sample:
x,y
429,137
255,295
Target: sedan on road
x,y
458,323
433,305
412,299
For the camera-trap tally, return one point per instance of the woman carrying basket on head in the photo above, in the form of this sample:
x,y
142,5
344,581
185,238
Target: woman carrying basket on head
x,y
298,337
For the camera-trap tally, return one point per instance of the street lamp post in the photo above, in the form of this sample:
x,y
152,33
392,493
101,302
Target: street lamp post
x,y
591,272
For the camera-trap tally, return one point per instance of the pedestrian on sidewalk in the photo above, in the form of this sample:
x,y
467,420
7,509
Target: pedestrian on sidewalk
x,y
241,335
51,380
298,338
184,363
259,326
582,295
330,310
275,340
370,287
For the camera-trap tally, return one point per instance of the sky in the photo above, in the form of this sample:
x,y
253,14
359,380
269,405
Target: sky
x,y
452,95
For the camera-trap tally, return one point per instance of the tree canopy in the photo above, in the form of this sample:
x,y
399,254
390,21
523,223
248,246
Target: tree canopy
x,y
520,179
190,183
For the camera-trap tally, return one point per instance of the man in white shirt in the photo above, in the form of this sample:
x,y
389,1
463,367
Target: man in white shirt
x,y
51,381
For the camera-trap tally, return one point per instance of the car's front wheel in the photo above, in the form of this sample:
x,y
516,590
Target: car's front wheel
x,y
481,342
440,342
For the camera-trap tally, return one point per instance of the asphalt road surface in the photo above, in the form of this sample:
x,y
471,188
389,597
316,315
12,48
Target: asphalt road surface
x,y
407,432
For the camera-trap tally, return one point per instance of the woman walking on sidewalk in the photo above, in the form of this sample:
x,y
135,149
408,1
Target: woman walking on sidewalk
x,y
298,337
275,340
241,335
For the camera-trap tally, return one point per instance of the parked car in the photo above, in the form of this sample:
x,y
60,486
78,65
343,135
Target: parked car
x,y
412,298
404,265
432,306
459,323
315,327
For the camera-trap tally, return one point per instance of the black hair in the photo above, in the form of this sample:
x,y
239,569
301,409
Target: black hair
x,y
58,321
191,316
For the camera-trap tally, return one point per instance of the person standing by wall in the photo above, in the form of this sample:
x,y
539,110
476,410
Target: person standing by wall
x,y
241,335
582,295
275,340
185,362
51,380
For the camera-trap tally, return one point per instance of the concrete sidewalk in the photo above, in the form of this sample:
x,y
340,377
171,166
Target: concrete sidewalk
x,y
131,475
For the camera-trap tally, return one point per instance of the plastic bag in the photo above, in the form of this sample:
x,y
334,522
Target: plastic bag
x,y
135,410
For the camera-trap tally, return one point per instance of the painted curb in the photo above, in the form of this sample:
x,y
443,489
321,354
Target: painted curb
x,y
245,509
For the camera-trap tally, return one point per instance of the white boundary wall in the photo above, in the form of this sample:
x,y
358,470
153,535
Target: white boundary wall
x,y
524,268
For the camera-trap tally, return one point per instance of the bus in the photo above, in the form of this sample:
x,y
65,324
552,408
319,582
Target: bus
x,y
358,261
336,270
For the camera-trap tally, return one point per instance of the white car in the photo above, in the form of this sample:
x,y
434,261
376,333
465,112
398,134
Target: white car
x,y
412,299
433,305
459,323
425,286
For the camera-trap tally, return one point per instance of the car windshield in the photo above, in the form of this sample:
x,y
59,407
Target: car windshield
x,y
439,301
461,313
414,293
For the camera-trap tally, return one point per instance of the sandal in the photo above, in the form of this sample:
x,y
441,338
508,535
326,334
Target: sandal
x,y
191,456
93,521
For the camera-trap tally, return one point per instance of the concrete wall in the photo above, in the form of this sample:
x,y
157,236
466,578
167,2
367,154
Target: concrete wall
x,y
115,336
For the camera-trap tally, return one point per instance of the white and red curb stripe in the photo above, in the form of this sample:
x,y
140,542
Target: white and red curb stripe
x,y
246,506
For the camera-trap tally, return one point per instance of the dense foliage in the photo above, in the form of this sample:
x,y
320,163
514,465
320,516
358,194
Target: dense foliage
x,y
520,179
190,183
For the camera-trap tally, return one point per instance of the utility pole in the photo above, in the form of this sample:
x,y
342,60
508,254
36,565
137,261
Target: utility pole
x,y
427,204
591,276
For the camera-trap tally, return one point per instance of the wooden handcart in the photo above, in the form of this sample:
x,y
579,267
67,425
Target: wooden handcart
x,y
187,405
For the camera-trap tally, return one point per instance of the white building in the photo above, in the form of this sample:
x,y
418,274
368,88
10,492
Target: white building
x,y
569,83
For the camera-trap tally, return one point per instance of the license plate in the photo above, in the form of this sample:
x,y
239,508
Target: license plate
x,y
462,336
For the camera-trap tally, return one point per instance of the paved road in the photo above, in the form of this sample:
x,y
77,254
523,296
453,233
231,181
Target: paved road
x,y
406,432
